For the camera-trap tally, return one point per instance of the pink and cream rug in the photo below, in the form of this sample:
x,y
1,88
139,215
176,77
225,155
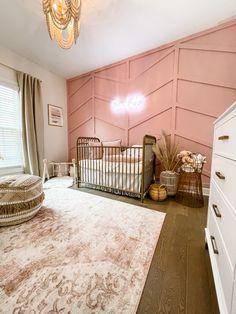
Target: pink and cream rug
x,y
81,254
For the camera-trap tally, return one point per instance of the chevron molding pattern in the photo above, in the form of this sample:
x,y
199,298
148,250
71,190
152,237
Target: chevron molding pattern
x,y
187,85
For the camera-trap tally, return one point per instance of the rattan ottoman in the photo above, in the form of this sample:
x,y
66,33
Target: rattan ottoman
x,y
21,197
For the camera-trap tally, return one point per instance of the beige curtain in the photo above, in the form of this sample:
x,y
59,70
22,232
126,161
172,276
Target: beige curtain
x,y
32,123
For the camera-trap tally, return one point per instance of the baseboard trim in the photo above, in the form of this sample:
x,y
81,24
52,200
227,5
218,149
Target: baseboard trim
x,y
206,191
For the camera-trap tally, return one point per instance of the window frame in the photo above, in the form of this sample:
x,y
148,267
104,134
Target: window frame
x,y
12,169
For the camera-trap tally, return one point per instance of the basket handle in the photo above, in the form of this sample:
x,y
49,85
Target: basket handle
x,y
163,186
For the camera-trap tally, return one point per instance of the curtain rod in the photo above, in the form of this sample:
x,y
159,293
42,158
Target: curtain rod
x,y
9,67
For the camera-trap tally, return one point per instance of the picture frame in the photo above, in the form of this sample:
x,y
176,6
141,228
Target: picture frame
x,y
55,115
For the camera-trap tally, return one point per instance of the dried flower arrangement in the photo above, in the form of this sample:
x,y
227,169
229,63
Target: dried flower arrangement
x,y
167,152
191,161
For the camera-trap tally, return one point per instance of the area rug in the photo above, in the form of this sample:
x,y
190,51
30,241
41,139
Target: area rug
x,y
59,182
80,254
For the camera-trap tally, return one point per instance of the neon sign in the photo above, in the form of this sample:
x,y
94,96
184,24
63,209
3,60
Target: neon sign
x,y
134,103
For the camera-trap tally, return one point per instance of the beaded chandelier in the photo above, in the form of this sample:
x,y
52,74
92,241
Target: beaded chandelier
x,y
63,22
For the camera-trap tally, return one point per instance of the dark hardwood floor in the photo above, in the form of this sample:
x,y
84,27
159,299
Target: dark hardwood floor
x,y
180,278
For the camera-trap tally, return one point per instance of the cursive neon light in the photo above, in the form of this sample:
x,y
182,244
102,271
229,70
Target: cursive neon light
x,y
134,103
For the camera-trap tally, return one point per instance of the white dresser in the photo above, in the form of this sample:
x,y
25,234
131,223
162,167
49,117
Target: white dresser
x,y
221,224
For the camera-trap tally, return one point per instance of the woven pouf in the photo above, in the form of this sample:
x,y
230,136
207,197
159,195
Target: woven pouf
x,y
21,197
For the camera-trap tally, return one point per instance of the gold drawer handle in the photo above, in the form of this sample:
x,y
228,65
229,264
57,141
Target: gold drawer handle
x,y
214,247
216,210
223,137
220,175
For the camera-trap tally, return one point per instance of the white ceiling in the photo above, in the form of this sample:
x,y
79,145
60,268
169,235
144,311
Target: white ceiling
x,y
110,29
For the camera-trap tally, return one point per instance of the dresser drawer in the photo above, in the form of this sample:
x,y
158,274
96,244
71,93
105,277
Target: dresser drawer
x,y
224,174
225,271
225,219
234,299
225,139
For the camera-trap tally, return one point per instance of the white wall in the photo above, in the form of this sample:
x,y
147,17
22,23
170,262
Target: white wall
x,y
53,92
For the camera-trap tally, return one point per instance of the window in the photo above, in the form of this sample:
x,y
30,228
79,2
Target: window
x,y
10,130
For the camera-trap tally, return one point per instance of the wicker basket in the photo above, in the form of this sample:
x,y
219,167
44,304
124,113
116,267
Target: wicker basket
x,y
190,189
158,192
170,180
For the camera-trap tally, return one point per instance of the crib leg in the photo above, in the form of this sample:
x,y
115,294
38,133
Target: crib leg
x,y
74,171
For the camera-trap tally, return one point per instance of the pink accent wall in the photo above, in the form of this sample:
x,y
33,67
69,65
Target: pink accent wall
x,y
187,85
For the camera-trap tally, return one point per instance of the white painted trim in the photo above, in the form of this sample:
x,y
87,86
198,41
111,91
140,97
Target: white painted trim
x,y
9,84
206,191
11,170
226,114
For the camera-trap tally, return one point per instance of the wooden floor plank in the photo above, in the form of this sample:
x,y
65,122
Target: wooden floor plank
x,y
172,297
197,281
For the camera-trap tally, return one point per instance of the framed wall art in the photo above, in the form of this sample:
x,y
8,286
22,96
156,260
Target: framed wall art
x,y
55,115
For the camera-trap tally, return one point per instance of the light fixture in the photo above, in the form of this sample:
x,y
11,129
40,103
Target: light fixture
x,y
134,103
63,20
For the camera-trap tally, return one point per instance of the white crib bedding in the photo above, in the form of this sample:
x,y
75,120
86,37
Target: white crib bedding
x,y
112,174
123,181
112,167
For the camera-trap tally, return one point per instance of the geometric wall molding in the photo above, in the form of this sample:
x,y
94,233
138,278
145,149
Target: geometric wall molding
x,y
187,84
77,84
138,65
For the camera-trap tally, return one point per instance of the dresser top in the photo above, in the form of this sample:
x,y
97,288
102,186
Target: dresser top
x,y
226,113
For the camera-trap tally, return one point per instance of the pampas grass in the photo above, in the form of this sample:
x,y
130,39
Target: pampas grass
x,y
166,152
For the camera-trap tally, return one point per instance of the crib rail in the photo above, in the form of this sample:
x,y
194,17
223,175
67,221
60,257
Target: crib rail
x,y
122,170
